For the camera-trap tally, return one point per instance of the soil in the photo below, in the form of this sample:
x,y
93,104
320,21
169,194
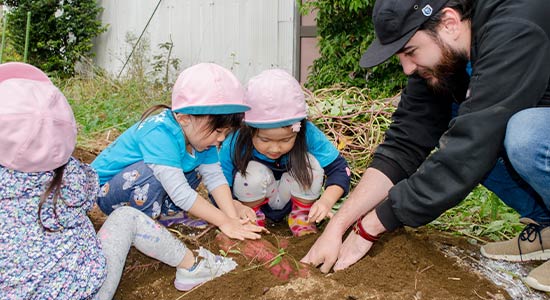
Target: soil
x,y
406,264
403,265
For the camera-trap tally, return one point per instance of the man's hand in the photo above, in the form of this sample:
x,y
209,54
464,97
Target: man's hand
x,y
353,249
324,251
355,246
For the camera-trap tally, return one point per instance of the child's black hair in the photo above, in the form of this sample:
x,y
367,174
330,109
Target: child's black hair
x,y
55,189
299,166
231,121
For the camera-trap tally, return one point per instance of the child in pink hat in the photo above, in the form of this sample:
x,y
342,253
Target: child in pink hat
x,y
49,248
278,163
156,165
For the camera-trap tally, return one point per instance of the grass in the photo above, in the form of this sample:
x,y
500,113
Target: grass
x,y
105,107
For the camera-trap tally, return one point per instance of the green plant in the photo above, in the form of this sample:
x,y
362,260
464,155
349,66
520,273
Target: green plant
x,y
138,60
61,31
481,214
344,29
165,63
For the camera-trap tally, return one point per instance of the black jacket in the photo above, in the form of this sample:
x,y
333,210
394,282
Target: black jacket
x,y
510,57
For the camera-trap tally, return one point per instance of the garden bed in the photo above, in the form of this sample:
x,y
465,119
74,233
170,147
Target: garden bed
x,y
408,264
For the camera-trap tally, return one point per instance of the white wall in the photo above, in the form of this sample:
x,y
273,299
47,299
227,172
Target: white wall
x,y
247,36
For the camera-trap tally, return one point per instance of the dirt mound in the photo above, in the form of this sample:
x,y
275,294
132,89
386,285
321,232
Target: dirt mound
x,y
407,264
403,265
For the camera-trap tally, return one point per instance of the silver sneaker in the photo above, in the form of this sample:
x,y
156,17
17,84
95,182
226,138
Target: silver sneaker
x,y
208,268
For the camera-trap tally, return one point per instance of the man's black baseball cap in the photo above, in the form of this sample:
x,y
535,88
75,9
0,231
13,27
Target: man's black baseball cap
x,y
395,22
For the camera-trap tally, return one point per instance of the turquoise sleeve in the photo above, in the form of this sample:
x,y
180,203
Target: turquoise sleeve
x,y
226,157
320,146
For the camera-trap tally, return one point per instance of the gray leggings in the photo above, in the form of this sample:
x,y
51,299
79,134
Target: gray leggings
x,y
125,227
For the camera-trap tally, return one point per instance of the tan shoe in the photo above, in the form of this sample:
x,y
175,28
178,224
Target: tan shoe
x,y
539,278
533,243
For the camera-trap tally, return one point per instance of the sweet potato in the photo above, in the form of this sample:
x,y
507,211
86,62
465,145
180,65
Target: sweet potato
x,y
264,253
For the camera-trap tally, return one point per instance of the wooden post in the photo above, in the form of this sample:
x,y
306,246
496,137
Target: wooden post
x,y
27,36
4,25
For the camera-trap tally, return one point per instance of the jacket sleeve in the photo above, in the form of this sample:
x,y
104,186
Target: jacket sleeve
x,y
338,173
419,121
510,73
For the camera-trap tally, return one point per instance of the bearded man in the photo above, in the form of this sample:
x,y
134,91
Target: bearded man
x,y
473,111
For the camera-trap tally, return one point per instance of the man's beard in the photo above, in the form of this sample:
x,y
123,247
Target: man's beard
x,y
449,73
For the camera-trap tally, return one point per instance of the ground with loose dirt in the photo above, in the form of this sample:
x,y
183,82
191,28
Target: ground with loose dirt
x,y
407,264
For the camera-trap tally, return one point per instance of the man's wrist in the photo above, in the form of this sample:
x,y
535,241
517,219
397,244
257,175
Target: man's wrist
x,y
372,224
335,227
359,229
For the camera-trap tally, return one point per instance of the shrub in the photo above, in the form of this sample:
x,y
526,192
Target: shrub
x,y
61,31
345,29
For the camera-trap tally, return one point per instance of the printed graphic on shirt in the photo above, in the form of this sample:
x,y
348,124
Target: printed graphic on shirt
x,y
156,119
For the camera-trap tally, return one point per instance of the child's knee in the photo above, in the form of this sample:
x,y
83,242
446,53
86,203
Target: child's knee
x,y
124,212
121,219
254,185
317,178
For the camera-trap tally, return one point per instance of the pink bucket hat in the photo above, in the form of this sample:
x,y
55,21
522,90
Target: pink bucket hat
x,y
37,125
276,100
208,89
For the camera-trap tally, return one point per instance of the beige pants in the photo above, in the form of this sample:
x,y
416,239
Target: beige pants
x,y
260,184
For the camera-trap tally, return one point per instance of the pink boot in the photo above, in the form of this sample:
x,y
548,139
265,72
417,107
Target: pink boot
x,y
297,219
260,216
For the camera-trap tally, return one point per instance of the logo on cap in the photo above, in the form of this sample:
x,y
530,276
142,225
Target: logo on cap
x,y
427,10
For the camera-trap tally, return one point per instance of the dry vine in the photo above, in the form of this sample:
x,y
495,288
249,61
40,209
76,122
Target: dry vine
x,y
353,121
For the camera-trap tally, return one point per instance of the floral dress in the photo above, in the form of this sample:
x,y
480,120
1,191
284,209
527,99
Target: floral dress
x,y
64,262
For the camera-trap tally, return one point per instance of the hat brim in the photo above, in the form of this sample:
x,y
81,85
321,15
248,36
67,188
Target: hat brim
x,y
270,125
19,70
220,109
378,53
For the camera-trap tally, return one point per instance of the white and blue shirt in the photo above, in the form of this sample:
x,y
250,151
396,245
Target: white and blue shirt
x,y
318,145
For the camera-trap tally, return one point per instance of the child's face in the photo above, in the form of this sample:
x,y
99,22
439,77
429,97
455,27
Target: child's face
x,y
274,142
198,133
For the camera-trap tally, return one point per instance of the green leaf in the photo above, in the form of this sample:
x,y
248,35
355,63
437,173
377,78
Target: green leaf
x,y
277,260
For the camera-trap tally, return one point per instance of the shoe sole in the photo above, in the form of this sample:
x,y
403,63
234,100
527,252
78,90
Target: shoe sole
x,y
198,224
537,255
184,287
532,282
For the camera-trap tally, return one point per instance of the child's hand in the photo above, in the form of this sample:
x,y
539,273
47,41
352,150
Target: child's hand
x,y
241,229
244,212
319,210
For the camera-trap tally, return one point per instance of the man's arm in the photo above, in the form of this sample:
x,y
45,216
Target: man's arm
x,y
372,189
